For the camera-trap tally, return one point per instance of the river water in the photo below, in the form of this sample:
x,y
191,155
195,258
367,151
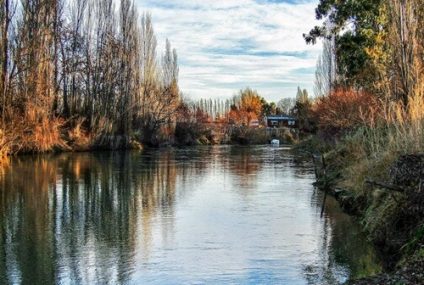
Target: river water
x,y
205,215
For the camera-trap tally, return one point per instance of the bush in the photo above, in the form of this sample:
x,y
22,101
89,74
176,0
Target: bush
x,y
42,135
190,133
256,136
344,110
377,151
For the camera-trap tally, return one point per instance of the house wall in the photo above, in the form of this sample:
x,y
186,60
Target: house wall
x,y
281,123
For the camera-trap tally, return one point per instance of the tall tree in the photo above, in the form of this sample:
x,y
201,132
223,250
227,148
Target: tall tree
x,y
407,55
129,66
358,27
5,22
286,105
325,71
302,110
159,82
148,62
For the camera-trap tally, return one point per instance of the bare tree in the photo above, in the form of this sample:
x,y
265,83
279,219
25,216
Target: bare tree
x,y
286,105
405,37
129,64
88,62
5,20
160,92
323,76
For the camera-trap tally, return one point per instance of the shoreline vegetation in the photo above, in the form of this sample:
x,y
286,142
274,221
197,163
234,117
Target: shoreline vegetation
x,y
87,74
368,123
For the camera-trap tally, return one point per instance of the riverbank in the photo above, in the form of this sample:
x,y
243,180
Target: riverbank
x,y
411,273
76,139
385,193
227,134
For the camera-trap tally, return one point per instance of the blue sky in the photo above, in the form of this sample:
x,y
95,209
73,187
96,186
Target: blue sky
x,y
226,45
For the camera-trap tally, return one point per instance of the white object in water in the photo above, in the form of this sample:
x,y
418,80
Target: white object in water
x,y
275,142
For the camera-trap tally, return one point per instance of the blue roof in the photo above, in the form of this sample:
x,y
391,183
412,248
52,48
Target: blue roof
x,y
282,118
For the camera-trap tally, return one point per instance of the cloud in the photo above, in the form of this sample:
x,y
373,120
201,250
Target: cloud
x,y
226,45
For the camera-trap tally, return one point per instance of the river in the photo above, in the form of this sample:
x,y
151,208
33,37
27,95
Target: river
x,y
204,215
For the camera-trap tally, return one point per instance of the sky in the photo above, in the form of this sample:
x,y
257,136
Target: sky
x,y
226,45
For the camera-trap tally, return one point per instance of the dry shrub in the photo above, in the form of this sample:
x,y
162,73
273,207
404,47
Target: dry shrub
x,y
78,137
101,127
4,148
345,109
35,132
46,136
397,130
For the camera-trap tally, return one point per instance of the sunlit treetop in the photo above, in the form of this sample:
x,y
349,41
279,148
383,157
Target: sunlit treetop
x,y
358,14
358,27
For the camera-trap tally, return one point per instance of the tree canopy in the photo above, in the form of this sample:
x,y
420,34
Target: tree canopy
x,y
357,27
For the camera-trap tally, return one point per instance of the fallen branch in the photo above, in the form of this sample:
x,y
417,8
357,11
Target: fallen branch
x,y
387,186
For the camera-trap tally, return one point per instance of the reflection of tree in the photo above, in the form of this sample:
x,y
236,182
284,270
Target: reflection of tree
x,y
303,165
89,217
240,164
70,213
244,162
24,194
342,245
349,244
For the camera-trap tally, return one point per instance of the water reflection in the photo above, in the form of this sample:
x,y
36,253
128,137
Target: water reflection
x,y
343,249
208,215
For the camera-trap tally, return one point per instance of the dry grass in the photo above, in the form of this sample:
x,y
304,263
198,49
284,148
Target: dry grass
x,y
34,133
4,148
79,138
46,136
369,153
398,125
400,129
372,149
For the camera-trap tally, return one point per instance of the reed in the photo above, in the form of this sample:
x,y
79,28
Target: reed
x,y
395,130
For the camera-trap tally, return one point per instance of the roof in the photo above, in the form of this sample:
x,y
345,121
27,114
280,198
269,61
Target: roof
x,y
281,118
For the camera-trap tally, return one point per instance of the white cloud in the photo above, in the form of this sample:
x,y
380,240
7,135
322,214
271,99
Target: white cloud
x,y
225,45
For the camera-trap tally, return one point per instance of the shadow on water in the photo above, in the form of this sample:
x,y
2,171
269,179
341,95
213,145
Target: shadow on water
x,y
124,217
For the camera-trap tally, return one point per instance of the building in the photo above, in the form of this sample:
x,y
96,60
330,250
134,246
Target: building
x,y
254,124
280,121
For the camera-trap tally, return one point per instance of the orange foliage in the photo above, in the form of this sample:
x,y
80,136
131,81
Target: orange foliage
x,y
4,148
248,108
202,117
251,103
35,132
235,117
78,137
345,109
241,117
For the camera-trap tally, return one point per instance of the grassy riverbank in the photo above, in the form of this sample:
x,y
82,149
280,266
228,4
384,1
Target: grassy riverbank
x,y
369,119
376,172
64,138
